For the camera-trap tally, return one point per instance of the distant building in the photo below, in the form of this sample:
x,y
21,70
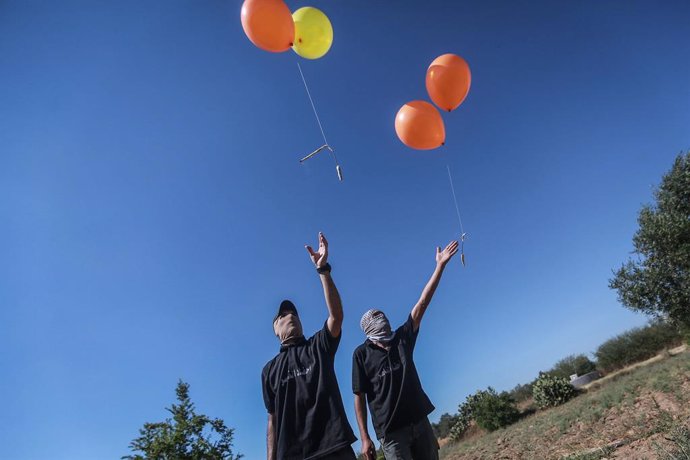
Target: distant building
x,y
579,382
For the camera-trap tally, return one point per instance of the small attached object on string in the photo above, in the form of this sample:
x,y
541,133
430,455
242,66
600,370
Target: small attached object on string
x,y
326,145
463,234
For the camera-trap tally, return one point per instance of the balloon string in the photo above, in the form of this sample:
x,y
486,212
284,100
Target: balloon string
x,y
457,210
316,114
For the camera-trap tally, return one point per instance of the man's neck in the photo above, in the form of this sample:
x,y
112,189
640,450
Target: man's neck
x,y
386,347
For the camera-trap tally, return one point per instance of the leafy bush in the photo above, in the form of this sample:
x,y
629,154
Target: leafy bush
x,y
636,345
489,409
685,332
493,410
442,428
550,391
522,392
463,417
573,364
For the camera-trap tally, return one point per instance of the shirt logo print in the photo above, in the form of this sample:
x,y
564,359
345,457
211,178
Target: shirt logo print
x,y
387,370
296,372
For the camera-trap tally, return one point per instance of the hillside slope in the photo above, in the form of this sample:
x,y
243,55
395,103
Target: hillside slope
x,y
627,418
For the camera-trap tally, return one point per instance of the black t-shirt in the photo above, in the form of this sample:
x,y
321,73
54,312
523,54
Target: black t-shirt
x,y
390,381
301,389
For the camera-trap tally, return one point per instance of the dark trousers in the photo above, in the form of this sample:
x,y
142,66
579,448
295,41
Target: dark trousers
x,y
343,454
412,442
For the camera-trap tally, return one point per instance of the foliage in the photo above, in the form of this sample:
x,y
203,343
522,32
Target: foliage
x,y
493,411
464,417
184,437
489,409
445,423
551,391
636,345
657,282
573,364
522,392
621,408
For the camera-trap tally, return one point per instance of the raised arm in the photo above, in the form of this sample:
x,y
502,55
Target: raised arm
x,y
442,258
368,448
330,292
271,438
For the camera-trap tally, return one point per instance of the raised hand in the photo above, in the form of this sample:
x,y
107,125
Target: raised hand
x,y
320,257
442,257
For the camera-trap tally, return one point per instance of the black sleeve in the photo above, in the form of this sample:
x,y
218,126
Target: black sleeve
x,y
269,395
325,341
408,334
360,381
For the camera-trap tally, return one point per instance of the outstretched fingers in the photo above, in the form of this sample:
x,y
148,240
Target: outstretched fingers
x,y
452,248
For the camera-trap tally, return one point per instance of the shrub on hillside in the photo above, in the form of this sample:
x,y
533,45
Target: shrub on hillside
x,y
495,410
489,409
442,428
573,364
464,417
550,391
522,392
685,332
636,345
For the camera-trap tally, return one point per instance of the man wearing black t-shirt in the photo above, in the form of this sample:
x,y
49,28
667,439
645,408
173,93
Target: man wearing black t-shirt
x,y
384,374
306,417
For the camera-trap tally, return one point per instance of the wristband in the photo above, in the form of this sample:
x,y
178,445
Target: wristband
x,y
324,269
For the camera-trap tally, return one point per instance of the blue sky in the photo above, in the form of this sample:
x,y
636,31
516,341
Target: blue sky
x,y
153,212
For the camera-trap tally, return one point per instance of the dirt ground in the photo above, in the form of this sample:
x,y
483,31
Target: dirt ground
x,y
625,419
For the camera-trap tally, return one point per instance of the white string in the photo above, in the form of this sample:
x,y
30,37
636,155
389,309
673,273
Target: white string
x,y
312,104
457,210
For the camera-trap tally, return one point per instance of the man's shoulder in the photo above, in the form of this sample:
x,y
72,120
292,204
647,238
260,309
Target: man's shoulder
x,y
361,350
269,364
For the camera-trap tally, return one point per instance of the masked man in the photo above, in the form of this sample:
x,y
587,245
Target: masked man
x,y
306,417
384,375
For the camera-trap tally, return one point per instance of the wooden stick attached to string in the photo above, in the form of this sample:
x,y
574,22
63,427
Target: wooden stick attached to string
x,y
338,169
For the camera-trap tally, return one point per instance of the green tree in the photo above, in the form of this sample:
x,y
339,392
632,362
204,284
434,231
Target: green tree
x,y
573,364
657,280
187,436
636,345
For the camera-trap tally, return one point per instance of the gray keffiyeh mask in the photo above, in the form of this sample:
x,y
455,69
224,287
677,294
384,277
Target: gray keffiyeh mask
x,y
376,326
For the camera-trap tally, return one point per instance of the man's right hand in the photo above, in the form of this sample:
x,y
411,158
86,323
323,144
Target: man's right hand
x,y
368,449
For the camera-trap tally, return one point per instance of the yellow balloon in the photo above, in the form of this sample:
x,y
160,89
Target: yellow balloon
x,y
313,33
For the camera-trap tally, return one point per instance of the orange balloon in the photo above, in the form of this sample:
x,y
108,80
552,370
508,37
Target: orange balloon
x,y
268,24
420,126
448,81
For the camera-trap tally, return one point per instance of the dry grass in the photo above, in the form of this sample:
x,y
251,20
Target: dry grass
x,y
624,418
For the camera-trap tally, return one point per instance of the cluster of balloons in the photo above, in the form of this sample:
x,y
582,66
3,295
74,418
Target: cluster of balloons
x,y
418,124
270,26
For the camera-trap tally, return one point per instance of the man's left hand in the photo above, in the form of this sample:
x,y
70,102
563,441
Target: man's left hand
x,y
442,257
320,257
